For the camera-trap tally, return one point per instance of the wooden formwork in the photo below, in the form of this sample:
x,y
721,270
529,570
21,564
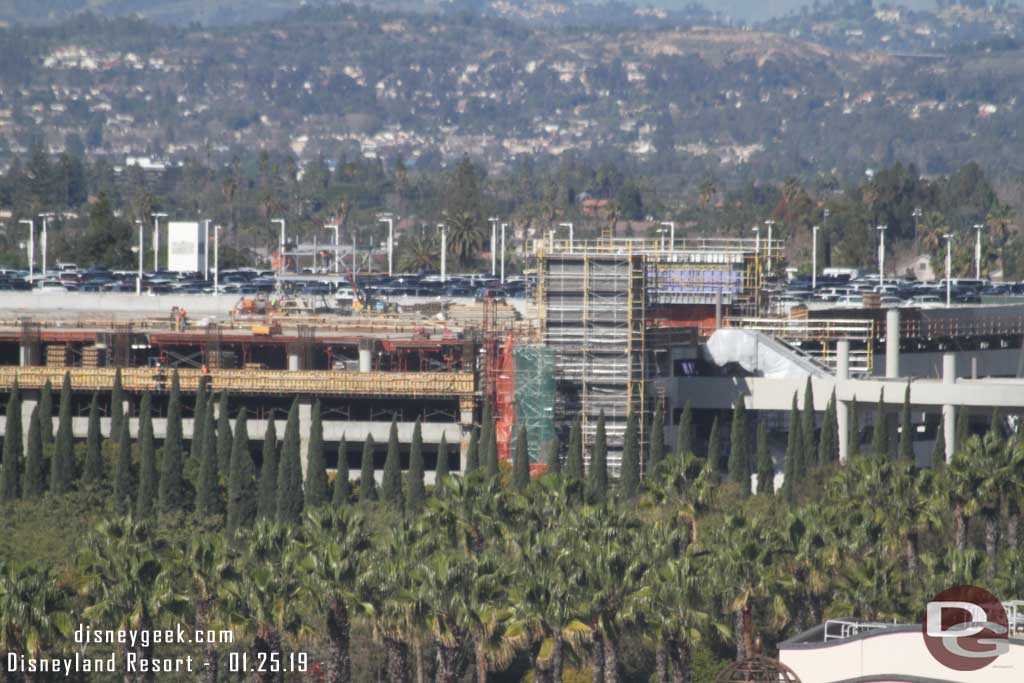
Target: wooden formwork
x,y
258,382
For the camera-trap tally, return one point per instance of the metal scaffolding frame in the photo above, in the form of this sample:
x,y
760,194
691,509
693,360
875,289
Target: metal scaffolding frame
x,y
593,307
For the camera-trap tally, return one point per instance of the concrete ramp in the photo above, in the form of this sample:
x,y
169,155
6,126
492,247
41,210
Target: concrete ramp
x,y
761,355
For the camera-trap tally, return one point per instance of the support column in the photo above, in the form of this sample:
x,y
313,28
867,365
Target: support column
x,y
892,343
29,401
842,407
718,309
305,422
466,422
294,361
365,355
948,411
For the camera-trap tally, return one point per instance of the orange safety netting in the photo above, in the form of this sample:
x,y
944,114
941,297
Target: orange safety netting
x,y
505,399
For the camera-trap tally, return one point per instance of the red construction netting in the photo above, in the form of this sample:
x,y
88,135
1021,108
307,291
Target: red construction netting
x,y
505,398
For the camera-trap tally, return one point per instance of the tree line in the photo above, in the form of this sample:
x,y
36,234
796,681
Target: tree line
x,y
668,571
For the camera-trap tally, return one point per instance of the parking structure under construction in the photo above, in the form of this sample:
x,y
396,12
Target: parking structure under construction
x,y
614,325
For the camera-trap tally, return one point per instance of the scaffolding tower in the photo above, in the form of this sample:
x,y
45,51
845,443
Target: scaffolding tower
x,y
593,308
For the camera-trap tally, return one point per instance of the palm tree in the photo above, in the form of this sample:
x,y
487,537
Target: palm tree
x,y
418,254
962,483
33,611
544,591
675,606
613,560
753,564
930,230
267,602
334,556
128,575
212,573
394,600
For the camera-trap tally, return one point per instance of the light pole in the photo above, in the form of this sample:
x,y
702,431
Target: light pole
x,y
334,227
206,249
391,242
216,260
280,249
44,216
444,252
916,215
978,227
138,280
949,267
31,246
881,253
671,225
570,226
824,224
770,223
494,245
156,239
814,258
503,226
757,268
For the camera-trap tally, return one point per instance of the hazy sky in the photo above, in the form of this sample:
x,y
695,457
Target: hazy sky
x,y
763,9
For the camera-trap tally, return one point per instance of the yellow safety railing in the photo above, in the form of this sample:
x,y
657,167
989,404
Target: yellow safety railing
x,y
264,382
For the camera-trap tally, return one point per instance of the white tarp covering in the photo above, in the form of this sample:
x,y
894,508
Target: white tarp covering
x,y
760,354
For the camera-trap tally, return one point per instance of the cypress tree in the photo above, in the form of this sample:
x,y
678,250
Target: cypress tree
x,y
939,451
880,435
316,489
342,487
828,447
34,483
414,477
995,425
739,457
266,505
224,438
714,456
791,466
367,484
574,458
853,433
46,413
963,427
765,466
684,437
290,500
521,462
597,473
906,430
13,446
490,453
809,452
473,452
391,481
172,481
553,462
124,480
208,498
242,481
195,454
441,469
148,482
93,471
656,452
63,462
629,476
116,406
